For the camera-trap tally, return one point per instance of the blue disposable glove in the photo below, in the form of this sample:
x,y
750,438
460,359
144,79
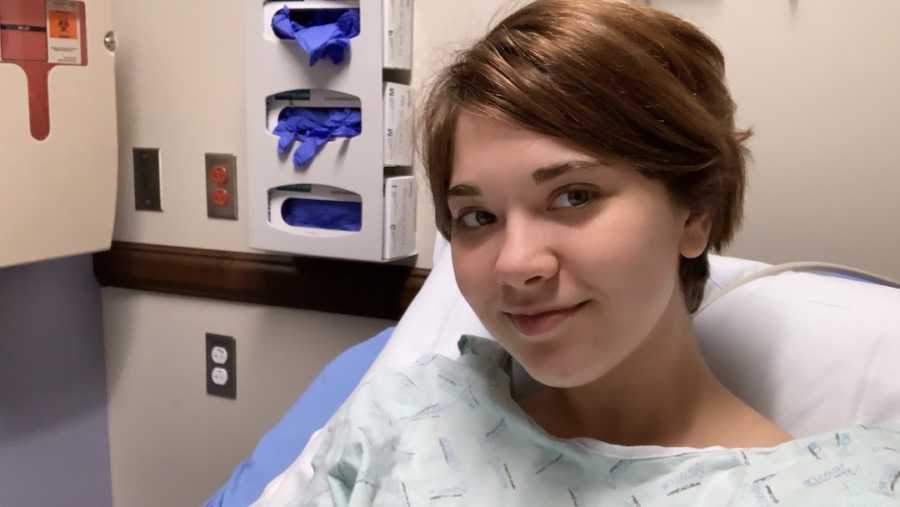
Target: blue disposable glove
x,y
321,33
313,127
334,215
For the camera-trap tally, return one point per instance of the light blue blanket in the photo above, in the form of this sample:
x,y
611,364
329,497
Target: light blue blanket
x,y
447,433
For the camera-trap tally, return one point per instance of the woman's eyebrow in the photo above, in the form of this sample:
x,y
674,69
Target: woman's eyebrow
x,y
555,170
463,191
540,175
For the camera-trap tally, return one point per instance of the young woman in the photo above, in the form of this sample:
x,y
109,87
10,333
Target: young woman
x,y
583,160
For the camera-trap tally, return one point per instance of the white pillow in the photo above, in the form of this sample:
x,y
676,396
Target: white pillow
x,y
435,319
813,352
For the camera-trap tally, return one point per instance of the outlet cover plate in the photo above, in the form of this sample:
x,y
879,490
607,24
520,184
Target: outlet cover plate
x,y
229,162
146,179
229,388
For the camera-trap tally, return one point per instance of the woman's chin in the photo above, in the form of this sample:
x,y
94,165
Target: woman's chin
x,y
558,371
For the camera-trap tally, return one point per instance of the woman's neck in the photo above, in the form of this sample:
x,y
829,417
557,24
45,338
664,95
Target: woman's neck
x,y
663,394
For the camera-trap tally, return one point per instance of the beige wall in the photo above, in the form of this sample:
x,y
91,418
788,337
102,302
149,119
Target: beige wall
x,y
180,88
170,443
817,84
179,80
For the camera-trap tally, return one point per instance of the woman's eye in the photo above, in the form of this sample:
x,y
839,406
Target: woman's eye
x,y
475,219
573,199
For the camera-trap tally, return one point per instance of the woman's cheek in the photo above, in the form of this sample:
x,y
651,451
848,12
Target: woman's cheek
x,y
472,277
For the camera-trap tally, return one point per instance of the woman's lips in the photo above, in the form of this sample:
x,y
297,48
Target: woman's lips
x,y
532,325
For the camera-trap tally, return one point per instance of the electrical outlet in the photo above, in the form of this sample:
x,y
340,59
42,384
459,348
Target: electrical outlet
x,y
221,362
221,186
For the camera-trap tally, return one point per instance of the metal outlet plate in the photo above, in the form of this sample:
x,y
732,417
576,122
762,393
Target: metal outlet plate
x,y
227,161
221,364
146,179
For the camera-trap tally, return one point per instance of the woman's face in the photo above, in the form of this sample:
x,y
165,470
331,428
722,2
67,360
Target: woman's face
x,y
570,263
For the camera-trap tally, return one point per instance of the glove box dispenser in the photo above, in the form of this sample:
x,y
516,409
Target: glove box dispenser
x,y
323,123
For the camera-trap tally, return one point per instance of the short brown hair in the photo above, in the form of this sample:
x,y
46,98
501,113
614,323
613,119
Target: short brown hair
x,y
615,79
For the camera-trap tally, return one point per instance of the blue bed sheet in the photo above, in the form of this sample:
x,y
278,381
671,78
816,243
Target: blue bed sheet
x,y
283,443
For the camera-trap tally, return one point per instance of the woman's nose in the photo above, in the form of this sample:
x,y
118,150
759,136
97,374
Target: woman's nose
x,y
526,257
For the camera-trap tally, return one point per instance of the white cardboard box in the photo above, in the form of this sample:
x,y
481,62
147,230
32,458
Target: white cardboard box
x,y
399,217
398,21
398,132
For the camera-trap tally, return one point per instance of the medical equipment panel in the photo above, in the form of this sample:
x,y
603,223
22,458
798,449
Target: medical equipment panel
x,y
58,146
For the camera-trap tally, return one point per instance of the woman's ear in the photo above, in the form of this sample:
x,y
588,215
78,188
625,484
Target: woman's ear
x,y
695,237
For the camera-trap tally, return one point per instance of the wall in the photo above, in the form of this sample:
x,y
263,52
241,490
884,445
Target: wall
x,y
54,445
179,81
818,82
171,443
180,88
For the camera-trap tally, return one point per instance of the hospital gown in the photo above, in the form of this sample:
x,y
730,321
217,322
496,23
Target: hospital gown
x,y
448,433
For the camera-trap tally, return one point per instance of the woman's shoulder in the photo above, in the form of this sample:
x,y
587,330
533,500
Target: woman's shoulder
x,y
750,430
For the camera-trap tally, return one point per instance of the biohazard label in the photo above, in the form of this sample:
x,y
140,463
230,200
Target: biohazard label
x,y
64,28
62,24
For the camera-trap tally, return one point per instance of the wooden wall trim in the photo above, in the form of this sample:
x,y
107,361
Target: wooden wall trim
x,y
354,288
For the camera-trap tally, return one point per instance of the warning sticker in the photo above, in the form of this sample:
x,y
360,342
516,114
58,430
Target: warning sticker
x,y
64,26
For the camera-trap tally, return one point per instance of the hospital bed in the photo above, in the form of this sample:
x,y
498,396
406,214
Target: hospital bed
x,y
812,346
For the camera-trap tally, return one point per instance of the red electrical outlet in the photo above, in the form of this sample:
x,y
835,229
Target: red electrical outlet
x,y
221,197
221,186
219,175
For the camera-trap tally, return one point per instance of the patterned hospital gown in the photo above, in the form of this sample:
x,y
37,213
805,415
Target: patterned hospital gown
x,y
448,433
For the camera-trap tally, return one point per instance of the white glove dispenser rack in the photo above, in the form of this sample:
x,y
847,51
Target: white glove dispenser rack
x,y
349,168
